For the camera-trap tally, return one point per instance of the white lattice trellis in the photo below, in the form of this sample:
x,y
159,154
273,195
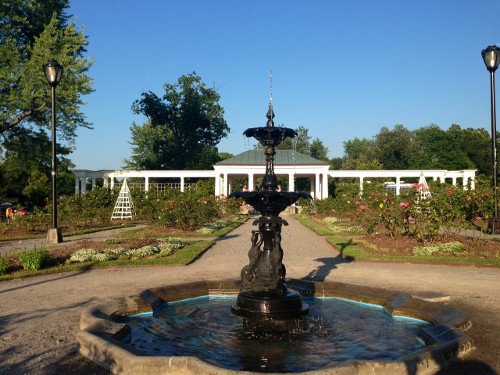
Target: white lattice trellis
x,y
124,207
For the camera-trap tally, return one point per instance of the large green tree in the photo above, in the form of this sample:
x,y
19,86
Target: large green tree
x,y
395,148
26,166
31,33
182,130
360,154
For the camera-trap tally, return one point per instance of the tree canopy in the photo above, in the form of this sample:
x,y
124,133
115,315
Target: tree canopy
x,y
302,143
31,33
30,183
183,127
428,147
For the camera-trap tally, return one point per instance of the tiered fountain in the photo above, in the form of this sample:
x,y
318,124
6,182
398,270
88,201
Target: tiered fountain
x,y
265,298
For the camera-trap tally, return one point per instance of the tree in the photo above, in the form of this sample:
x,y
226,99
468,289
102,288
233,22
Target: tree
x,y
224,155
33,151
476,143
318,150
301,143
395,148
182,129
360,154
31,33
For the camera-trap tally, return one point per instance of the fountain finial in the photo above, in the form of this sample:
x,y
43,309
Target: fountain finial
x,y
270,112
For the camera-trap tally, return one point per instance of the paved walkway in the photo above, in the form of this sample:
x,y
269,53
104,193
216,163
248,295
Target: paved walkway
x,y
39,317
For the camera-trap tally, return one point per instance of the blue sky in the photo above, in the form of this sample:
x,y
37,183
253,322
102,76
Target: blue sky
x,y
342,69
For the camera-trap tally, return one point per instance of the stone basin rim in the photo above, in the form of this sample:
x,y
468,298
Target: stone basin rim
x,y
100,334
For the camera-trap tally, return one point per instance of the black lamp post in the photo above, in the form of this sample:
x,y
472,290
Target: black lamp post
x,y
491,57
53,71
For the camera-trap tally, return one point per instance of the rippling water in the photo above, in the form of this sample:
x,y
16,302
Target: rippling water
x,y
334,330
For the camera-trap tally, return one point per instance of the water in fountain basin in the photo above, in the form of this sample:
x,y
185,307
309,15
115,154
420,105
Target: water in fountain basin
x,y
334,330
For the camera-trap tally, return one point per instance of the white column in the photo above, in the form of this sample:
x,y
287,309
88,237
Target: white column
x,y
93,183
146,183
313,188
398,185
454,181
84,185
224,188
217,185
112,185
291,182
77,185
182,184
324,186
230,185
317,186
105,181
361,185
251,182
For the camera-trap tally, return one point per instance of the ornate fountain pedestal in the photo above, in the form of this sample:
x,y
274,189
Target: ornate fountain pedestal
x,y
265,299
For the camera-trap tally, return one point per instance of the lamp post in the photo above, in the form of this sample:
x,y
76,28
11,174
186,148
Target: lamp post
x,y
491,57
53,71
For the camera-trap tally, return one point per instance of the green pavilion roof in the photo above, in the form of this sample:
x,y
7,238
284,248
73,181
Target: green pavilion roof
x,y
282,157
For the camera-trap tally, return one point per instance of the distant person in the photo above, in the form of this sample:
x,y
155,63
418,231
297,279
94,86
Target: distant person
x,y
9,212
279,187
245,188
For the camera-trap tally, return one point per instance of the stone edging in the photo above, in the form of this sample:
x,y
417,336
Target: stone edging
x,y
100,335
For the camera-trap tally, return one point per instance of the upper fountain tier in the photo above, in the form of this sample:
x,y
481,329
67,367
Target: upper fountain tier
x,y
268,200
268,135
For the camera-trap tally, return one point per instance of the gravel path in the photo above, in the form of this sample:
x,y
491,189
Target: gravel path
x,y
39,317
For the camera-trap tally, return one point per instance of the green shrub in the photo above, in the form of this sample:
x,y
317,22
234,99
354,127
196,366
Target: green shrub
x,y
142,252
112,241
34,260
449,247
342,229
4,263
332,219
90,255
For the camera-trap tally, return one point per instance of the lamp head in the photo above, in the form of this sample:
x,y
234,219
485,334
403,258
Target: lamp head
x,y
491,57
53,72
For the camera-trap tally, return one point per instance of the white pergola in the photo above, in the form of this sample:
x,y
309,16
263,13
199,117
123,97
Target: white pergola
x,y
250,165
467,176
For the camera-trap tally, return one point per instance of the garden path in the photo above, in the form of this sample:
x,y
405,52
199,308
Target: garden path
x,y
39,316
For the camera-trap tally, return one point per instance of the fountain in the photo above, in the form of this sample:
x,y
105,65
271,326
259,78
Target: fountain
x,y
266,303
265,300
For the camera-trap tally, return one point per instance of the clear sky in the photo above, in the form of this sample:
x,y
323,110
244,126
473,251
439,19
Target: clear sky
x,y
342,69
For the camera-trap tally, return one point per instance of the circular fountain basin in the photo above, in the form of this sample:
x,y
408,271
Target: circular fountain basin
x,y
101,336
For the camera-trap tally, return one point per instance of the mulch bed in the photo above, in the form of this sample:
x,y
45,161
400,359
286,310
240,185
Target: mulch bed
x,y
474,248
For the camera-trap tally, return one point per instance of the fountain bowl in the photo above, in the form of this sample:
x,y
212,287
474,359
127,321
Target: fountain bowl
x,y
100,333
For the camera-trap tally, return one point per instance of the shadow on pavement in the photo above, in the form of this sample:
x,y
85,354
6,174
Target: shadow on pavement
x,y
329,264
